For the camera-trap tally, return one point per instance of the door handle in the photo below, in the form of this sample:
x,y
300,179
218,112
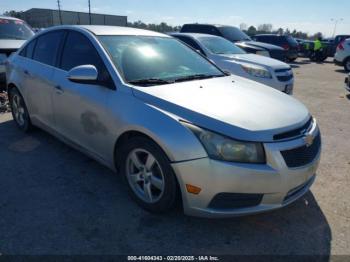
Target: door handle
x,y
59,90
26,72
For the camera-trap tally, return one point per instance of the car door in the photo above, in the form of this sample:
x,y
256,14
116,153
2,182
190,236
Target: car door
x,y
81,108
38,72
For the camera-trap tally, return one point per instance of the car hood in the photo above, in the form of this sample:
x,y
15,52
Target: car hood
x,y
256,59
261,45
233,106
11,44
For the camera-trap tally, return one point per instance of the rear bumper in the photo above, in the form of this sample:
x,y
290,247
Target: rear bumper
x,y
293,54
338,63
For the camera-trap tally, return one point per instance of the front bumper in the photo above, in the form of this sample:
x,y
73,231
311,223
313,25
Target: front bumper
x,y
278,184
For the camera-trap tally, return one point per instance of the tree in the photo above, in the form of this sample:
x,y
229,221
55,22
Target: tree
x,y
13,13
265,28
280,31
243,26
251,31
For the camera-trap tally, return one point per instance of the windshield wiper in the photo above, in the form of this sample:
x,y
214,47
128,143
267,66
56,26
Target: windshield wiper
x,y
196,77
150,81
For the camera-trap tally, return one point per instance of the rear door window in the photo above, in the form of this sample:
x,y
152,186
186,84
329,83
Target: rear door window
x,y
47,47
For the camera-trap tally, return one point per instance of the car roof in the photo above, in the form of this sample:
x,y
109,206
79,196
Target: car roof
x,y
110,30
215,25
269,35
9,18
193,35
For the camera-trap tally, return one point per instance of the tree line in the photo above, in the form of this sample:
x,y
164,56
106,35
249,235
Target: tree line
x,y
249,30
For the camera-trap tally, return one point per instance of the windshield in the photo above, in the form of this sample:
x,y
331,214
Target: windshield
x,y
159,60
14,29
218,45
234,34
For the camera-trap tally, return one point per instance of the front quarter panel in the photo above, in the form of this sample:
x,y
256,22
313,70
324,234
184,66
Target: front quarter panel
x,y
131,114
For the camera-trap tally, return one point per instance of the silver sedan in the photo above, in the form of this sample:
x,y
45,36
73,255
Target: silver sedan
x,y
168,120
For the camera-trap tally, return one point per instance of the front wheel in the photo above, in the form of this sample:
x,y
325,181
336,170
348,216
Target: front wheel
x,y
149,176
19,110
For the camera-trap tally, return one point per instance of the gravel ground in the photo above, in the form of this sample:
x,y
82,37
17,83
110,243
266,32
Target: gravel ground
x,y
55,200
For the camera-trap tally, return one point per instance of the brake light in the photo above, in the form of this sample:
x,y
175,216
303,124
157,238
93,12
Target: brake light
x,y
285,47
341,46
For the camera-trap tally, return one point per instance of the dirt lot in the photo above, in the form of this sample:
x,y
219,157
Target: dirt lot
x,y
54,200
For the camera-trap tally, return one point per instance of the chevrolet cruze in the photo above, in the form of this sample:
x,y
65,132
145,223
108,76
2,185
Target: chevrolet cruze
x,y
167,119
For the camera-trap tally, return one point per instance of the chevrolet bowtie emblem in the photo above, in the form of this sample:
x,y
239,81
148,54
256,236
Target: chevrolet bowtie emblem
x,y
309,140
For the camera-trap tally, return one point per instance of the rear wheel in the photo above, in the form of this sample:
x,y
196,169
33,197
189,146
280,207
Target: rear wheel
x,y
19,110
148,174
347,65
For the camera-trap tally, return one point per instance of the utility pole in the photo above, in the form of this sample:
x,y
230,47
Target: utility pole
x,y
336,21
89,13
59,11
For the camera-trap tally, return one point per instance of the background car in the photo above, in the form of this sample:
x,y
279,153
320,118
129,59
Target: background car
x,y
342,56
333,45
287,42
233,59
167,119
239,38
13,33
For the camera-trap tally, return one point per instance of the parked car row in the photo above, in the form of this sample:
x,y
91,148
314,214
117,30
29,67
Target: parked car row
x,y
235,60
238,37
168,118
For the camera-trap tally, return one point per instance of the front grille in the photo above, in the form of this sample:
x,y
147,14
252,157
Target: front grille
x,y
278,54
233,200
304,155
294,133
285,78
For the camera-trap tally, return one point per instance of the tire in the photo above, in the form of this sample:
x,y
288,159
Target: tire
x,y
154,187
347,64
19,110
290,60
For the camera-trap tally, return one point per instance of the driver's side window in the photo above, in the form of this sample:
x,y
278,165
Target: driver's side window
x,y
77,51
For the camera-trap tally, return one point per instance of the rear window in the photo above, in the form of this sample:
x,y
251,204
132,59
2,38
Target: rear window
x,y
233,34
292,41
14,29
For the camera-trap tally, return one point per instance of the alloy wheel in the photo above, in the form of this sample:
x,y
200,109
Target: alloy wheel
x,y
18,109
145,175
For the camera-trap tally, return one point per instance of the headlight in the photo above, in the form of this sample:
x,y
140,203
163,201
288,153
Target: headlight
x,y
263,53
257,71
226,149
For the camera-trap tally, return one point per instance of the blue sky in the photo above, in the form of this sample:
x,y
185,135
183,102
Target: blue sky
x,y
307,15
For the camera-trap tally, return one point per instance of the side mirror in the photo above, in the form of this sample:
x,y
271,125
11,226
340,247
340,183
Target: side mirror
x,y
83,74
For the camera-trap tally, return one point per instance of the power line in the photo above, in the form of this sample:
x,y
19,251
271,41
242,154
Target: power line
x,y
89,13
336,21
59,11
